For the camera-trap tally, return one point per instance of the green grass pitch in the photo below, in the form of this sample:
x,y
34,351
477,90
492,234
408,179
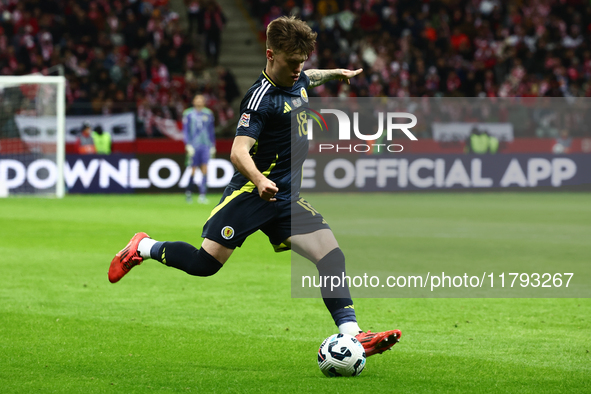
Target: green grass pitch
x,y
64,328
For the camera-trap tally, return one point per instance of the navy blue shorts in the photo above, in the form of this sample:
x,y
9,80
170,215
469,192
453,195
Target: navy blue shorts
x,y
200,157
241,213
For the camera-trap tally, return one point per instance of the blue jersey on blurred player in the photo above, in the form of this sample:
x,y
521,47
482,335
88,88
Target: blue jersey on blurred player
x,y
199,136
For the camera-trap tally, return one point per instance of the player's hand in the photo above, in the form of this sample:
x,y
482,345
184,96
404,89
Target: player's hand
x,y
190,150
212,152
348,74
267,189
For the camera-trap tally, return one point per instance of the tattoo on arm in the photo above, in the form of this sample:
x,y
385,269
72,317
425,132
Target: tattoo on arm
x,y
318,77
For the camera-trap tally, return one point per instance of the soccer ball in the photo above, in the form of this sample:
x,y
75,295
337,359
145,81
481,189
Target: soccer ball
x,y
341,355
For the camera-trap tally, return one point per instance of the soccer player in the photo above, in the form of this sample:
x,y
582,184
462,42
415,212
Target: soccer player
x,y
199,135
264,191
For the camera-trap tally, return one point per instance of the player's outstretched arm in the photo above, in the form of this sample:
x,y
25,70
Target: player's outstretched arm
x,y
318,77
240,157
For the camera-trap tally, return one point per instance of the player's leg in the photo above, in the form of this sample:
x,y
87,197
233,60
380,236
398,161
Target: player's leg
x,y
200,161
205,261
322,248
303,229
191,161
313,239
189,190
239,214
203,184
303,244
199,262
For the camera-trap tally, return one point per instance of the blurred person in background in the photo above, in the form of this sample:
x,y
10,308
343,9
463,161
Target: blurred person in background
x,y
480,142
563,143
85,142
213,23
199,137
102,141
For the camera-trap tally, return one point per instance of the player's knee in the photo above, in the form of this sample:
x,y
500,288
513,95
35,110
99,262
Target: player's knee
x,y
204,264
332,264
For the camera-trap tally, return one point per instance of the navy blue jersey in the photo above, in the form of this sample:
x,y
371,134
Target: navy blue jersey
x,y
266,115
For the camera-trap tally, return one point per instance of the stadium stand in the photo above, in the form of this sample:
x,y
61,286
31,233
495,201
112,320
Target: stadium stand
x,y
119,56
136,56
487,48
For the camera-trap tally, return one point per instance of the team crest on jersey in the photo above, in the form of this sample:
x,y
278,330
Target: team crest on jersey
x,y
228,232
244,120
296,101
304,94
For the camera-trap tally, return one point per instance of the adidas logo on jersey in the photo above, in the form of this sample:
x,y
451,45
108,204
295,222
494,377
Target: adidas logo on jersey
x,y
286,108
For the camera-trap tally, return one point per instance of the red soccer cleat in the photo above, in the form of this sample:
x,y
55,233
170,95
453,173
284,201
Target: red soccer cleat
x,y
378,342
126,259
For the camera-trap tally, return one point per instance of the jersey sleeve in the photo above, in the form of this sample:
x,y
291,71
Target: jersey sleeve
x,y
186,127
253,115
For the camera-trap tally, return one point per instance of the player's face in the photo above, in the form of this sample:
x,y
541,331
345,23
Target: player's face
x,y
199,101
288,67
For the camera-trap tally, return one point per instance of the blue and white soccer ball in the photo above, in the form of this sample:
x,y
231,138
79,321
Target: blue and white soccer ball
x,y
341,355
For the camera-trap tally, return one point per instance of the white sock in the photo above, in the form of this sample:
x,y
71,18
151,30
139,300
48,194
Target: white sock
x,y
350,327
145,246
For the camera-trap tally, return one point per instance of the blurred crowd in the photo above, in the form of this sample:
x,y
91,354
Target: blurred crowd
x,y
133,56
121,55
453,48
